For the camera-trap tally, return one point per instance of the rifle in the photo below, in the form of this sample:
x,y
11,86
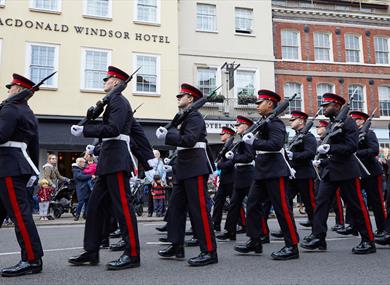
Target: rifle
x,y
139,106
94,111
366,126
25,94
225,148
180,116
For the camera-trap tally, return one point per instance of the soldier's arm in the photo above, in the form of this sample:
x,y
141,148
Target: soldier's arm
x,y
140,145
8,122
351,138
309,149
244,156
189,138
372,149
275,141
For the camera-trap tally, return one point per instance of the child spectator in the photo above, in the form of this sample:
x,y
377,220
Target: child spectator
x,y
90,168
44,196
158,194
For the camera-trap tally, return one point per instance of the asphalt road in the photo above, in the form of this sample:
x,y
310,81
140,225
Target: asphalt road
x,y
335,266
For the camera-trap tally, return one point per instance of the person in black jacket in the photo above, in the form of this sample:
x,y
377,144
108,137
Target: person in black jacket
x,y
113,170
271,173
191,172
341,171
19,155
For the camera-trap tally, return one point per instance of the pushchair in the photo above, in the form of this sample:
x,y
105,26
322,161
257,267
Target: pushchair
x,y
137,186
64,200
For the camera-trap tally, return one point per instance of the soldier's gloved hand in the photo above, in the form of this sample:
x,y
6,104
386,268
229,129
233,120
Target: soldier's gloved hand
x,y
167,160
153,162
89,149
167,168
161,133
323,149
290,154
229,155
76,130
316,162
248,138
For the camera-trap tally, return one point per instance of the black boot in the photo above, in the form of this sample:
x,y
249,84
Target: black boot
x,y
163,239
286,253
204,258
174,250
22,268
105,243
251,245
91,257
217,228
76,218
379,233
337,227
265,239
116,234
124,261
383,240
348,231
241,230
314,242
364,247
191,242
119,246
226,235
163,228
306,224
278,234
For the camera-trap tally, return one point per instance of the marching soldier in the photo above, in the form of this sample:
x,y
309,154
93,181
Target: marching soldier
x,y
19,155
341,171
271,173
191,172
113,171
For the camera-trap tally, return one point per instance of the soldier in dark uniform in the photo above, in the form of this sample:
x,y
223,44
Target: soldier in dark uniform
x,y
191,172
226,179
19,155
367,152
271,174
341,171
113,171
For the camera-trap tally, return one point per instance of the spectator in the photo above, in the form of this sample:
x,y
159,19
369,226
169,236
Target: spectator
x,y
90,168
81,183
51,173
158,195
44,196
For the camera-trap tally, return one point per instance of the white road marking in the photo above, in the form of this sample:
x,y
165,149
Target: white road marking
x,y
46,250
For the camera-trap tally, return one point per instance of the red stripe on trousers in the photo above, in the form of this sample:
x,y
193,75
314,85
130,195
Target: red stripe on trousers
x,y
311,193
126,212
364,210
203,212
19,219
286,212
339,207
380,193
242,215
264,227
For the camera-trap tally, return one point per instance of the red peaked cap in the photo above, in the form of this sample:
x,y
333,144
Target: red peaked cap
x,y
21,81
328,98
243,120
115,72
322,123
298,114
359,115
265,94
227,130
187,89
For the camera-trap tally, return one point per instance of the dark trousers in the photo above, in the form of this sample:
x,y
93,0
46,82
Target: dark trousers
x,y
159,205
338,208
191,194
235,211
113,188
150,199
224,191
305,187
351,193
13,196
80,205
274,190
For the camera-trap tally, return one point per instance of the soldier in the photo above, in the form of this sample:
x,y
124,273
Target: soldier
x,y
271,172
191,172
19,155
341,171
113,171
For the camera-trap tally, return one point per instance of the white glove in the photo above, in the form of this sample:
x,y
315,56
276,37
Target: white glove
x,y
248,138
153,162
167,168
89,149
229,155
290,154
323,149
161,133
316,162
76,130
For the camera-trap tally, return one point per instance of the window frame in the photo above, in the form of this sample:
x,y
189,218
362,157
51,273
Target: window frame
x,y
333,90
29,45
364,93
298,41
330,50
109,12
58,11
215,30
256,84
2,3
243,32
379,102
302,97
158,74
158,14
388,50
209,67
360,48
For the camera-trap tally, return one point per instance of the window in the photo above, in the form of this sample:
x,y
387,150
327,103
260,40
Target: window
x,y
246,86
98,8
381,50
148,77
323,88
352,48
244,18
148,11
207,79
48,5
322,47
290,89
2,3
94,68
206,17
290,45
384,100
358,103
42,60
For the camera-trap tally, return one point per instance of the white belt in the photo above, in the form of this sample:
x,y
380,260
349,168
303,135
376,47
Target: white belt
x,y
281,151
252,163
197,145
23,147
